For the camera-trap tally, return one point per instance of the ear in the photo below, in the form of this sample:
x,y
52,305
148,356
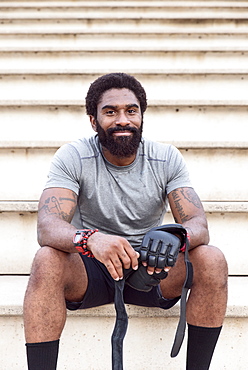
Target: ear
x,y
93,123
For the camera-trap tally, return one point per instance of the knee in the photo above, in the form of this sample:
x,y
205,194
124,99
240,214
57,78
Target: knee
x,y
209,265
48,262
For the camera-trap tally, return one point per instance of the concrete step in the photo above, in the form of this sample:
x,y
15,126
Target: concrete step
x,y
181,87
104,6
227,225
217,173
126,40
122,9
184,17
173,47
224,165
199,125
156,24
92,328
77,32
131,59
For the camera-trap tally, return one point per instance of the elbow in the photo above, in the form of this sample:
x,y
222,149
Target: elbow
x,y
41,237
206,237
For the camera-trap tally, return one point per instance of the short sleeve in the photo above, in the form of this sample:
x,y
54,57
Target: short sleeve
x,y
65,169
178,175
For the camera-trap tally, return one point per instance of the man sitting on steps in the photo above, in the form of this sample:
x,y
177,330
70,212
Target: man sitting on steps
x,y
103,194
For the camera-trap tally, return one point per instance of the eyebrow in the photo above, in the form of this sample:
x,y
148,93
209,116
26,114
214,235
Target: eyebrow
x,y
108,106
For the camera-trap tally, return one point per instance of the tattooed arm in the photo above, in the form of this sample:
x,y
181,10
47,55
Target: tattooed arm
x,y
187,210
56,209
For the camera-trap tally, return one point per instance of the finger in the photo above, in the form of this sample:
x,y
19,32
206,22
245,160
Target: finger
x,y
143,254
152,261
150,270
154,246
115,268
125,259
166,269
157,271
118,267
112,271
132,256
161,262
135,262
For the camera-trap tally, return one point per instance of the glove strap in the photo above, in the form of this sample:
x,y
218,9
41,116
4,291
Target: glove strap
x,y
180,332
120,328
122,318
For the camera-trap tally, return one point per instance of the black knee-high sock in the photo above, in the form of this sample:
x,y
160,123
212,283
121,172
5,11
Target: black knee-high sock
x,y
43,355
201,345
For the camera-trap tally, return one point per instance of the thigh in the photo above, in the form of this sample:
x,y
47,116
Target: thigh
x,y
54,270
76,278
171,287
100,289
206,260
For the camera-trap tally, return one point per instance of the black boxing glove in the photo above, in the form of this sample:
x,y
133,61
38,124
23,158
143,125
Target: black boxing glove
x,y
141,280
159,249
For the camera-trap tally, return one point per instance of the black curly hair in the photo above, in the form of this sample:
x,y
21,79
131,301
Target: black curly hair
x,y
113,81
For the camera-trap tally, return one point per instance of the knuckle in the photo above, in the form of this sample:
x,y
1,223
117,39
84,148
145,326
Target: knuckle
x,y
109,266
126,264
118,264
124,257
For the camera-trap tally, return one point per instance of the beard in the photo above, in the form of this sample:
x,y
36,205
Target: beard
x,y
120,146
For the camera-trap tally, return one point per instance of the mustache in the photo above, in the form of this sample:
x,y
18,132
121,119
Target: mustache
x,y
111,130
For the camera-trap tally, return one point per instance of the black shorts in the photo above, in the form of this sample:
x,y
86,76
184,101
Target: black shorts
x,y
101,290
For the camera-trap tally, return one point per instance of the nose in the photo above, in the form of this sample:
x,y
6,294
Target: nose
x,y
122,119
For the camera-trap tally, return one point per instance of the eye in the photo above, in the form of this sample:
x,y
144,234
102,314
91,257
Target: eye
x,y
110,112
131,111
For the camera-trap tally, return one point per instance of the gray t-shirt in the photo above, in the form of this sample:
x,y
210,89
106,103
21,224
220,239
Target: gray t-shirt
x,y
126,200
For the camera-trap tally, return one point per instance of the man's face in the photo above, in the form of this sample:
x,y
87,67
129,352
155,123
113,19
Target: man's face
x,y
119,122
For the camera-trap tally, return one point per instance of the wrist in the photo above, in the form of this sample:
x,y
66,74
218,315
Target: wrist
x,y
187,241
80,240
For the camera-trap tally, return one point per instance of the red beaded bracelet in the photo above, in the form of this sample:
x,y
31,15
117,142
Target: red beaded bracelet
x,y
183,248
80,241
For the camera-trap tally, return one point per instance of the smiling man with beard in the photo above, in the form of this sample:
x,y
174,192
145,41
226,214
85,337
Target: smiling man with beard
x,y
104,196
118,140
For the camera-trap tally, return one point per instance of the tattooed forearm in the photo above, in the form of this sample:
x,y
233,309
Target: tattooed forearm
x,y
179,197
191,196
178,207
187,209
54,205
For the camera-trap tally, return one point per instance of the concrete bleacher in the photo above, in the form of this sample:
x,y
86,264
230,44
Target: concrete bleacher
x,y
191,57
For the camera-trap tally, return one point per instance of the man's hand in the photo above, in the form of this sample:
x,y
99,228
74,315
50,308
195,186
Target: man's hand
x,y
114,252
159,251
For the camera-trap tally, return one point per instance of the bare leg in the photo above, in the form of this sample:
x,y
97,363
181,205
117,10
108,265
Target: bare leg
x,y
55,276
208,297
206,305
